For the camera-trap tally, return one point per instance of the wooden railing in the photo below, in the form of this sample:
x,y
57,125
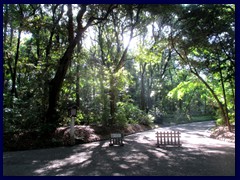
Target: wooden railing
x,y
168,138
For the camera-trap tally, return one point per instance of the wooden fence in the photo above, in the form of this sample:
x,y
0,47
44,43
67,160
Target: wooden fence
x,y
168,138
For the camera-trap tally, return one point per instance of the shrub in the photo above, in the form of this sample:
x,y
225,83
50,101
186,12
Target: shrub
x,y
147,119
128,113
219,122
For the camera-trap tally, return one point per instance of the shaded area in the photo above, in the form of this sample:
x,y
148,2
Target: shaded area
x,y
35,139
139,156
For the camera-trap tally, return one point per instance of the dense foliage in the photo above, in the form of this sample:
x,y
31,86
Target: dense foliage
x,y
119,64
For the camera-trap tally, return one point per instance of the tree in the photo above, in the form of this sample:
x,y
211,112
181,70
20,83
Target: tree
x,y
57,54
198,45
56,83
113,54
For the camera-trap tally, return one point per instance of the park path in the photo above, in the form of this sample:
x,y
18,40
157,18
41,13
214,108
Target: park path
x,y
198,156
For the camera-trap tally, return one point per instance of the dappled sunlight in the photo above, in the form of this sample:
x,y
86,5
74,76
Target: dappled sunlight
x,y
118,174
210,151
124,166
138,156
87,146
149,137
85,84
67,173
159,154
56,165
35,162
111,153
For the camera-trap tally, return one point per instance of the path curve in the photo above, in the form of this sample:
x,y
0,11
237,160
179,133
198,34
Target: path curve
x,y
199,155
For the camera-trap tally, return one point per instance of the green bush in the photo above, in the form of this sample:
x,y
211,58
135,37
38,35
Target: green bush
x,y
147,119
127,113
220,122
232,118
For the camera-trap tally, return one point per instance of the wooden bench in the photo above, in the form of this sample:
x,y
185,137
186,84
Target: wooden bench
x,y
116,139
171,138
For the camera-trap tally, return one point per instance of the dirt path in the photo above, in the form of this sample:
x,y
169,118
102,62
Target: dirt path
x,y
199,155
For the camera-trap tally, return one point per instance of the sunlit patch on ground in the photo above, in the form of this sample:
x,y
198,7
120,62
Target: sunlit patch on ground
x,y
198,155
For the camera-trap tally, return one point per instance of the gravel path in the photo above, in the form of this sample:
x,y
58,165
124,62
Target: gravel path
x,y
198,156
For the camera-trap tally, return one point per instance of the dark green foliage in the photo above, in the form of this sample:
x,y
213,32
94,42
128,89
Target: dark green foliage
x,y
179,66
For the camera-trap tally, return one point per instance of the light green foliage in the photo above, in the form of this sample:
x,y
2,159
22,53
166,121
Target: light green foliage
x,y
220,122
208,48
123,80
148,56
128,113
186,88
203,35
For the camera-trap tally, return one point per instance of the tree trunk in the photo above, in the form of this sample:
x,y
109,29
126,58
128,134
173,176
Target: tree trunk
x,y
112,93
104,97
11,33
38,46
45,82
78,77
149,88
180,105
55,84
5,23
14,90
194,71
143,101
77,86
5,38
52,32
220,105
226,117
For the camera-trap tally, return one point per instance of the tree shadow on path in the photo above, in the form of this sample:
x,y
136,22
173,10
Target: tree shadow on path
x,y
138,157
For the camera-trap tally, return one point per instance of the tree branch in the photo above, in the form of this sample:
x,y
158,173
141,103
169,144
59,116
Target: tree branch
x,y
123,58
80,16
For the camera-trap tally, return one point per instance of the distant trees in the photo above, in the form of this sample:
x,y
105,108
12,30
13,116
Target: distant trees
x,y
112,51
57,54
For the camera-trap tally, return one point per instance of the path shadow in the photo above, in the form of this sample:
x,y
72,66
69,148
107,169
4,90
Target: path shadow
x,y
138,157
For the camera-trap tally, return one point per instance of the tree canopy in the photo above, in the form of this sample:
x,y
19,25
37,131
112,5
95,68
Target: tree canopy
x,y
118,63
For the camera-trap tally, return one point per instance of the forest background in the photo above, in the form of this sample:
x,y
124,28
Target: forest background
x,y
119,64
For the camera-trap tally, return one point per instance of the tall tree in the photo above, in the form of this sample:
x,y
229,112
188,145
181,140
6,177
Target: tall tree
x,y
56,83
198,44
113,54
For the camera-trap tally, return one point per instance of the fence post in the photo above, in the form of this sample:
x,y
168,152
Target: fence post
x,y
178,138
175,138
